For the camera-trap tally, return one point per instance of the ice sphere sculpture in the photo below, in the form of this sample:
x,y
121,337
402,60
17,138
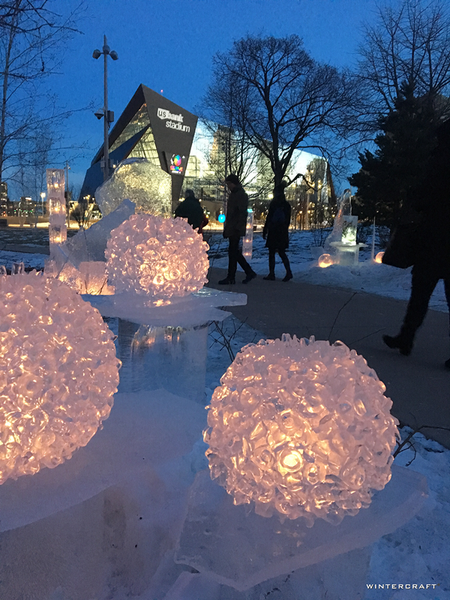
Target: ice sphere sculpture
x,y
138,180
325,260
156,257
58,373
302,428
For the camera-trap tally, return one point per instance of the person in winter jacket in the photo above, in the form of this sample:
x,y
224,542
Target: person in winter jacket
x,y
432,243
234,229
276,232
191,210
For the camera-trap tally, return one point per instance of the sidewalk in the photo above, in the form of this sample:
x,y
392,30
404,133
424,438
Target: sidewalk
x,y
418,385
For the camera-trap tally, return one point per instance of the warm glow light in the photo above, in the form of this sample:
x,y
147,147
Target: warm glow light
x,y
325,260
379,257
156,257
58,373
88,278
301,428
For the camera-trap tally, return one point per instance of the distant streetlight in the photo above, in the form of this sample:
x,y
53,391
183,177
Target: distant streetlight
x,y
108,115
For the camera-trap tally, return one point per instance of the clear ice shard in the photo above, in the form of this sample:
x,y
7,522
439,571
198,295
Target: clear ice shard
x,y
241,549
90,244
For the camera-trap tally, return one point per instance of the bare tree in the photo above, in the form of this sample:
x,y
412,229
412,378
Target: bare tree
x,y
409,44
31,38
277,99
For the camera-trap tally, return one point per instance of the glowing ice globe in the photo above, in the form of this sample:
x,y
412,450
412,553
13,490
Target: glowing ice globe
x,y
140,181
58,373
156,257
325,260
301,428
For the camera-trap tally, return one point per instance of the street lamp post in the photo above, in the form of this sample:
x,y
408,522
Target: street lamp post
x,y
108,116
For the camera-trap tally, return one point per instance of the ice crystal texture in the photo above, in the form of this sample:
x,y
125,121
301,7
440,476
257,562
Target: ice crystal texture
x,y
302,428
58,373
88,278
140,181
156,257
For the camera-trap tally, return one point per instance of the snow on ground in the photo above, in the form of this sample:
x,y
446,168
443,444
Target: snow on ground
x,y
419,553
367,276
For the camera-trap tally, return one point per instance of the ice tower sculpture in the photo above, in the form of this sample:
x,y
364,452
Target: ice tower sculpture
x,y
58,376
301,428
156,258
342,240
57,230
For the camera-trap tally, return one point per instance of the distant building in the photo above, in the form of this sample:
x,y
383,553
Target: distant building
x,y
150,127
197,156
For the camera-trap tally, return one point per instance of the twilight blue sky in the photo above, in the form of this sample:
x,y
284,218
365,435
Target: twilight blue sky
x,y
169,46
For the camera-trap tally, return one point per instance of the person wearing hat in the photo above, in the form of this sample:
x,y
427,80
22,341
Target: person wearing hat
x,y
234,229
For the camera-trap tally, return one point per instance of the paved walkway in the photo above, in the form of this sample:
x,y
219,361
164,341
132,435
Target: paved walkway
x,y
419,385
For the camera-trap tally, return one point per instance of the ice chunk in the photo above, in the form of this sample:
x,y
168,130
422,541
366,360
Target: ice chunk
x,y
143,429
241,550
144,183
90,244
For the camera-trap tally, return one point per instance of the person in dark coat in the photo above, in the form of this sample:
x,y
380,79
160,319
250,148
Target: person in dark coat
x,y
234,230
191,210
276,232
432,255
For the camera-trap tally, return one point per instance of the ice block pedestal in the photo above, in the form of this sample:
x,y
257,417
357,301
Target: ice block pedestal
x,y
347,254
235,547
165,347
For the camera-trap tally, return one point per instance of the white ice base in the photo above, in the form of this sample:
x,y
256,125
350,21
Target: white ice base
x,y
241,549
145,431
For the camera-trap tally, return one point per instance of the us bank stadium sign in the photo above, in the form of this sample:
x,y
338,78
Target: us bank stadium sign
x,y
173,121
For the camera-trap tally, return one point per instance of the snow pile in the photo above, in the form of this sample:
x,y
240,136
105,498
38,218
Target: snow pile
x,y
58,377
156,257
302,428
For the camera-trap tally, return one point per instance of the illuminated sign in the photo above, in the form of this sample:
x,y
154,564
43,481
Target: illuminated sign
x,y
177,164
173,121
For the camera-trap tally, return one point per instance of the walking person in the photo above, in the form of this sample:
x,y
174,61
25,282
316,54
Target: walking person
x,y
276,232
431,261
191,210
234,230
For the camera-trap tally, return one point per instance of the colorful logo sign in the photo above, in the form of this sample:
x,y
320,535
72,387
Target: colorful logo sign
x,y
177,163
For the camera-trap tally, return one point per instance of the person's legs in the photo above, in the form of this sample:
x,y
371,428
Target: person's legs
x,y
422,286
271,275
249,272
286,264
233,250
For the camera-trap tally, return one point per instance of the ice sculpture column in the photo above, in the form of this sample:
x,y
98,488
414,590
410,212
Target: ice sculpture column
x,y
160,312
57,230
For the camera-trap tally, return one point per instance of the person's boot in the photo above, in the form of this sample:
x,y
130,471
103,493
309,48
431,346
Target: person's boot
x,y
400,343
227,281
270,277
251,275
288,276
